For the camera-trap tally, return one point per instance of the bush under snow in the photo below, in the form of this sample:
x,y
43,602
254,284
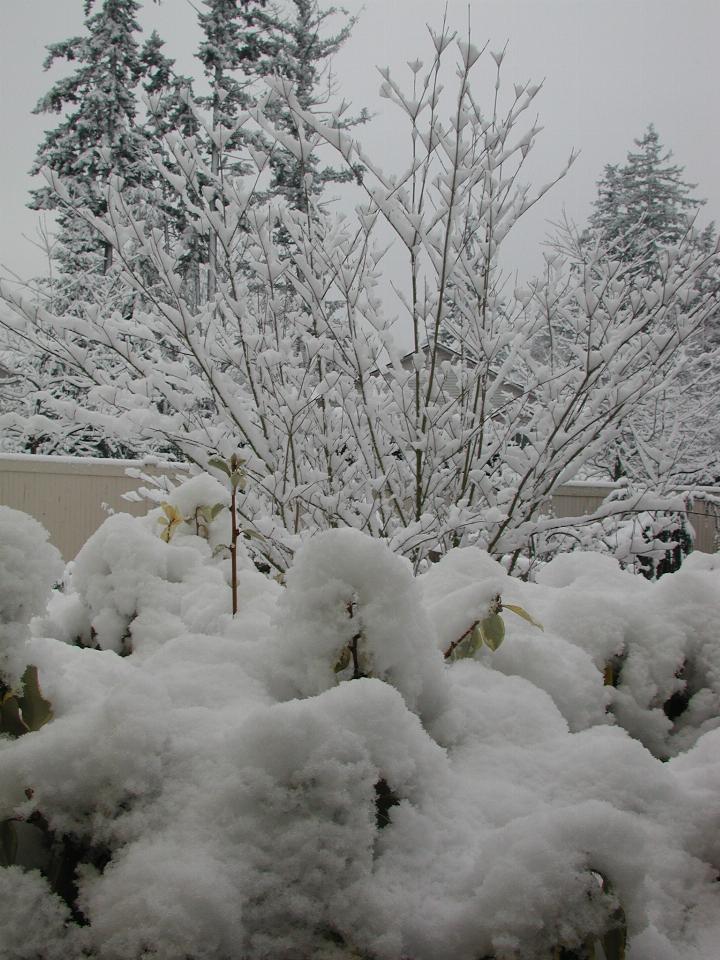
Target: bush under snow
x,y
226,790
29,566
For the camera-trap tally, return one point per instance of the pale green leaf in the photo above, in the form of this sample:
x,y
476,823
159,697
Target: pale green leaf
x,y
493,630
521,612
36,710
219,464
343,660
476,640
469,645
253,535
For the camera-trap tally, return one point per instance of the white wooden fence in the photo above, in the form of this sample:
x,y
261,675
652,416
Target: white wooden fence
x,y
67,495
70,496
579,499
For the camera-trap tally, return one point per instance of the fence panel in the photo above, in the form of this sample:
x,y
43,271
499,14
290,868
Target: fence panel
x,y
580,499
66,494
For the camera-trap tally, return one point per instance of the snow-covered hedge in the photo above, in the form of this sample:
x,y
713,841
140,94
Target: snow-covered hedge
x,y
216,787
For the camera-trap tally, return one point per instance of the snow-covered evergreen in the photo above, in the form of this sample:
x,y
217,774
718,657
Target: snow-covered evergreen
x,y
97,137
645,210
644,205
299,50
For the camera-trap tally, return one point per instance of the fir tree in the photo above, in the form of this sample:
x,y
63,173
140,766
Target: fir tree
x,y
169,100
97,137
297,51
644,208
231,43
644,205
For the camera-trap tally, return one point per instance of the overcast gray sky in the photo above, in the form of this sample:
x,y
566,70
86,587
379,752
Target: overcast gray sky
x,y
610,68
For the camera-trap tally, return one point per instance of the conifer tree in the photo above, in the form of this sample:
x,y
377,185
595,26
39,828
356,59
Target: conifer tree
x,y
97,137
230,44
643,210
644,205
168,98
297,51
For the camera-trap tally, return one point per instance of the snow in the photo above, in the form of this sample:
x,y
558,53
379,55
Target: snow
x,y
230,774
31,917
29,566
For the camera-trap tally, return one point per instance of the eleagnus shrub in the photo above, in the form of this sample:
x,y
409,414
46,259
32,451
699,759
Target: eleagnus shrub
x,y
221,791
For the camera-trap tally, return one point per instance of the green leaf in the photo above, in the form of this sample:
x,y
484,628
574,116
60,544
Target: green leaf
x,y
237,479
343,660
215,509
493,630
469,645
219,464
614,943
521,612
36,710
8,843
253,535
11,720
476,640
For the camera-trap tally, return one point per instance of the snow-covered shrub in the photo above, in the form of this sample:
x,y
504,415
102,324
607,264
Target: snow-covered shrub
x,y
352,608
656,643
33,920
134,578
197,508
29,566
222,792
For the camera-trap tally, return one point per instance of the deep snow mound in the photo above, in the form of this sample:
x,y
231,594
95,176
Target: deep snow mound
x,y
314,777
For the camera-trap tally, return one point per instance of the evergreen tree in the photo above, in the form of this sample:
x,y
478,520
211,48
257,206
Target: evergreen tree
x,y
98,137
644,205
169,100
231,43
296,51
244,41
643,209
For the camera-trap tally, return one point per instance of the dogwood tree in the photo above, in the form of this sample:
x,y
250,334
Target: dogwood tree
x,y
293,364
